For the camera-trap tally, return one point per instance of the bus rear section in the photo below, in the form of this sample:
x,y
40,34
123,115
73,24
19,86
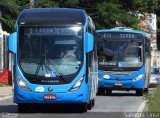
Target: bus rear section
x,y
50,59
121,60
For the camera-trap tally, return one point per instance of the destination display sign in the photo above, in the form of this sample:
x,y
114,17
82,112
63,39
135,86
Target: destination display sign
x,y
119,35
50,31
108,63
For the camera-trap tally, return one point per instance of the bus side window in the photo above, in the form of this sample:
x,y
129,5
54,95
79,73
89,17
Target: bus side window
x,y
90,56
89,65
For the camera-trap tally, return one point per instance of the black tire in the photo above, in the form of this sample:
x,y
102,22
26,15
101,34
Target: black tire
x,y
146,90
90,105
83,107
101,92
93,102
24,108
139,92
108,91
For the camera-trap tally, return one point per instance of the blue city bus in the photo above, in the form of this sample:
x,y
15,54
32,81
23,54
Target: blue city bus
x,y
54,58
123,60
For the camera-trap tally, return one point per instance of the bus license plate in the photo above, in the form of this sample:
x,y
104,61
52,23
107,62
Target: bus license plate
x,y
118,84
49,97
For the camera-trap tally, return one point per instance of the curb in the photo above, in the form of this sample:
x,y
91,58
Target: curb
x,y
6,97
142,106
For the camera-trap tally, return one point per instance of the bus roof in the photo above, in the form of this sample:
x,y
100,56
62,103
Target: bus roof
x,y
52,16
120,30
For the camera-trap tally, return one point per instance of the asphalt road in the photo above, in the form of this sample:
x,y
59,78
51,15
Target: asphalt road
x,y
118,105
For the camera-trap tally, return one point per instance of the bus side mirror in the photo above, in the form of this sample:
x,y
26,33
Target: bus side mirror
x,y
12,43
89,42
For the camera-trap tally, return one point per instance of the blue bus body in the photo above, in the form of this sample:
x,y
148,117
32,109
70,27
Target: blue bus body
x,y
55,77
124,60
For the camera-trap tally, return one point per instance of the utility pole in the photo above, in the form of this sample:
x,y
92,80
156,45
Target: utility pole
x,y
32,3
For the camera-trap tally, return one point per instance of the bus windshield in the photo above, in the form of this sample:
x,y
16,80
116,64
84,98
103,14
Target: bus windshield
x,y
120,53
50,51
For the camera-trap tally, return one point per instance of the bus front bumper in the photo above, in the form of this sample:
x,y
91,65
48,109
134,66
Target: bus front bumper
x,y
78,96
121,84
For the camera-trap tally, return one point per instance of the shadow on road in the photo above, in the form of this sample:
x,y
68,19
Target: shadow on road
x,y
8,109
56,108
43,108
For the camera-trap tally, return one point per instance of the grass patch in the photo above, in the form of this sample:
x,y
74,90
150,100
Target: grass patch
x,y
2,85
153,101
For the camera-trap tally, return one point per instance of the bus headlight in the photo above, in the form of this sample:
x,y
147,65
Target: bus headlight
x,y
106,77
138,77
23,85
77,85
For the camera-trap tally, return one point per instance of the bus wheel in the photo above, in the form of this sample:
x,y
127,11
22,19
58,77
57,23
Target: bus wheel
x,y
139,92
24,108
101,92
90,105
93,102
146,90
108,91
83,107
21,108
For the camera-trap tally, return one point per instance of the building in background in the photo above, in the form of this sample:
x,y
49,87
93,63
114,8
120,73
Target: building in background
x,y
148,23
5,59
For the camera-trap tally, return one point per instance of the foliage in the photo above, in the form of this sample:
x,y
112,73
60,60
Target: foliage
x,y
111,12
154,101
46,4
9,14
2,85
105,13
72,3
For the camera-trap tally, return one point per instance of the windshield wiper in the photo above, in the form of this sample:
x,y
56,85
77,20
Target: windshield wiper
x,y
57,70
39,65
119,58
47,67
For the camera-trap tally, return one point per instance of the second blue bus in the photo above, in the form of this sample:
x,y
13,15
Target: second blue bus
x,y
123,60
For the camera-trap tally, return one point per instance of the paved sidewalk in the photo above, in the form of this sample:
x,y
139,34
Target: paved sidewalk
x,y
5,91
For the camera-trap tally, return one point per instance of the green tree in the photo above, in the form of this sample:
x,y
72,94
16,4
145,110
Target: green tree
x,y
105,13
72,3
46,4
112,12
9,14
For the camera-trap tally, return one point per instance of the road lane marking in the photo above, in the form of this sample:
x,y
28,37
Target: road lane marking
x,y
141,107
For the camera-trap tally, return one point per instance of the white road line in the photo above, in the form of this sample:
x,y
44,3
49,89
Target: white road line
x,y
141,107
4,98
